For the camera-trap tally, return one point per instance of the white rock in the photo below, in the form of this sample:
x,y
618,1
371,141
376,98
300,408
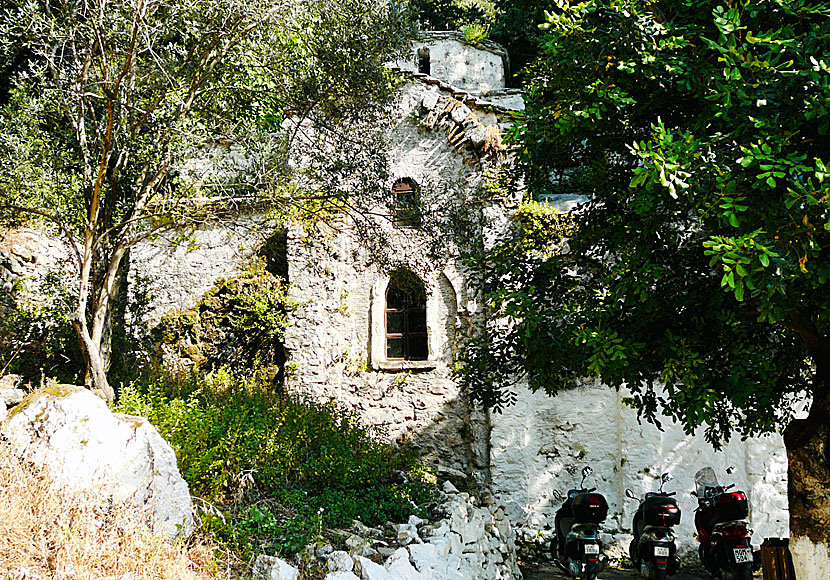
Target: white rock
x,y
456,546
470,532
85,446
415,521
12,396
406,537
341,576
369,570
424,556
359,546
442,546
272,568
340,561
448,487
399,567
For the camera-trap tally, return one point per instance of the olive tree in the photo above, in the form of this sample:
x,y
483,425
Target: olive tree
x,y
118,115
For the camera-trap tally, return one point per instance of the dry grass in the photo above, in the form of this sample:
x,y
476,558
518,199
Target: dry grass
x,y
50,534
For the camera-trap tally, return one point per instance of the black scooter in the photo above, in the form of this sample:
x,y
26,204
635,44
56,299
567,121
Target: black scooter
x,y
577,548
721,520
653,549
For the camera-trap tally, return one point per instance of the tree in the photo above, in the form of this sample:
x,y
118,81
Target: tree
x,y
695,275
119,115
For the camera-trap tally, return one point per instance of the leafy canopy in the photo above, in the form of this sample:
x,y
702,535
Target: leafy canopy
x,y
698,130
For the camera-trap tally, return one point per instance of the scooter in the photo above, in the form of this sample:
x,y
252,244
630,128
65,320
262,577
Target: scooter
x,y
722,528
577,548
653,549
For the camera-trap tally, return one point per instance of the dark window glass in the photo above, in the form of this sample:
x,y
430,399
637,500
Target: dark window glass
x,y
406,317
418,321
423,61
394,322
407,203
418,347
394,348
395,299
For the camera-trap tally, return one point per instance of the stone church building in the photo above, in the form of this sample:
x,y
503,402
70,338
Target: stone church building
x,y
381,339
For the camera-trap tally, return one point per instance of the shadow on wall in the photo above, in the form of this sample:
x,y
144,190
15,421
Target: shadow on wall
x,y
455,442
541,444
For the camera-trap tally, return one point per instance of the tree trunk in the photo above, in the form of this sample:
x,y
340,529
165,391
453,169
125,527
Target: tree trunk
x,y
809,498
96,374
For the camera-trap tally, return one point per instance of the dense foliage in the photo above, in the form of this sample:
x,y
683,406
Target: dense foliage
x,y
124,118
699,132
277,469
240,324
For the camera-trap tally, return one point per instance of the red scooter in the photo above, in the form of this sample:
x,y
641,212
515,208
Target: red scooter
x,y
722,528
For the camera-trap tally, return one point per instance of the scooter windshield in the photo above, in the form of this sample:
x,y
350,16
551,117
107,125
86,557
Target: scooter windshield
x,y
705,478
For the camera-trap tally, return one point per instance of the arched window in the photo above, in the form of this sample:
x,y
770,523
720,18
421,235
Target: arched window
x,y
423,60
406,317
407,203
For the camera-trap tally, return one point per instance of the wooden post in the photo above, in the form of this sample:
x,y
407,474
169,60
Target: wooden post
x,y
776,562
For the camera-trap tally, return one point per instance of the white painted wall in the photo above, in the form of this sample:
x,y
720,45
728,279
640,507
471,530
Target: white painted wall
x,y
461,65
542,443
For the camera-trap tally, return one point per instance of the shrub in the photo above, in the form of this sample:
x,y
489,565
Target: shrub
x,y
314,465
238,323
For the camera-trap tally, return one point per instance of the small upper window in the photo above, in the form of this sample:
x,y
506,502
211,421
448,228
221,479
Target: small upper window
x,y
423,60
407,203
406,317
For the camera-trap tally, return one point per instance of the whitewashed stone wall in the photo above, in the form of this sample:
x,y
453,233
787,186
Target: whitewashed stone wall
x,y
479,68
541,444
336,343
178,268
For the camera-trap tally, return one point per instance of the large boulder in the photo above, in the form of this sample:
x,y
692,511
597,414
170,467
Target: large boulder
x,y
86,447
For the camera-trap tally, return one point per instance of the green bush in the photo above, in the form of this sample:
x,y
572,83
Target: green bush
x,y
37,339
315,465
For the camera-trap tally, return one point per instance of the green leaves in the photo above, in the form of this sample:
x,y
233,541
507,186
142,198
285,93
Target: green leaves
x,y
701,128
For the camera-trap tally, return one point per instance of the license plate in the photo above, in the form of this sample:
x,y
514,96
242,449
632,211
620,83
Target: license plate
x,y
743,555
591,548
661,551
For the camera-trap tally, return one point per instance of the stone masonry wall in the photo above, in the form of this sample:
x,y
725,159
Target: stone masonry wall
x,y
541,444
177,271
330,344
476,68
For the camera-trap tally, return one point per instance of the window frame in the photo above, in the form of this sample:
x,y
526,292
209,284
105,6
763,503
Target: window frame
x,y
407,203
409,313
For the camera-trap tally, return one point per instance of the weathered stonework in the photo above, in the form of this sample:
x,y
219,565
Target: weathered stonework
x,y
177,271
480,68
447,137
540,445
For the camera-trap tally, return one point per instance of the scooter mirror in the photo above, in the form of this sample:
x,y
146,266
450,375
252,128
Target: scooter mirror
x,y
666,477
630,494
693,494
586,471
730,470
